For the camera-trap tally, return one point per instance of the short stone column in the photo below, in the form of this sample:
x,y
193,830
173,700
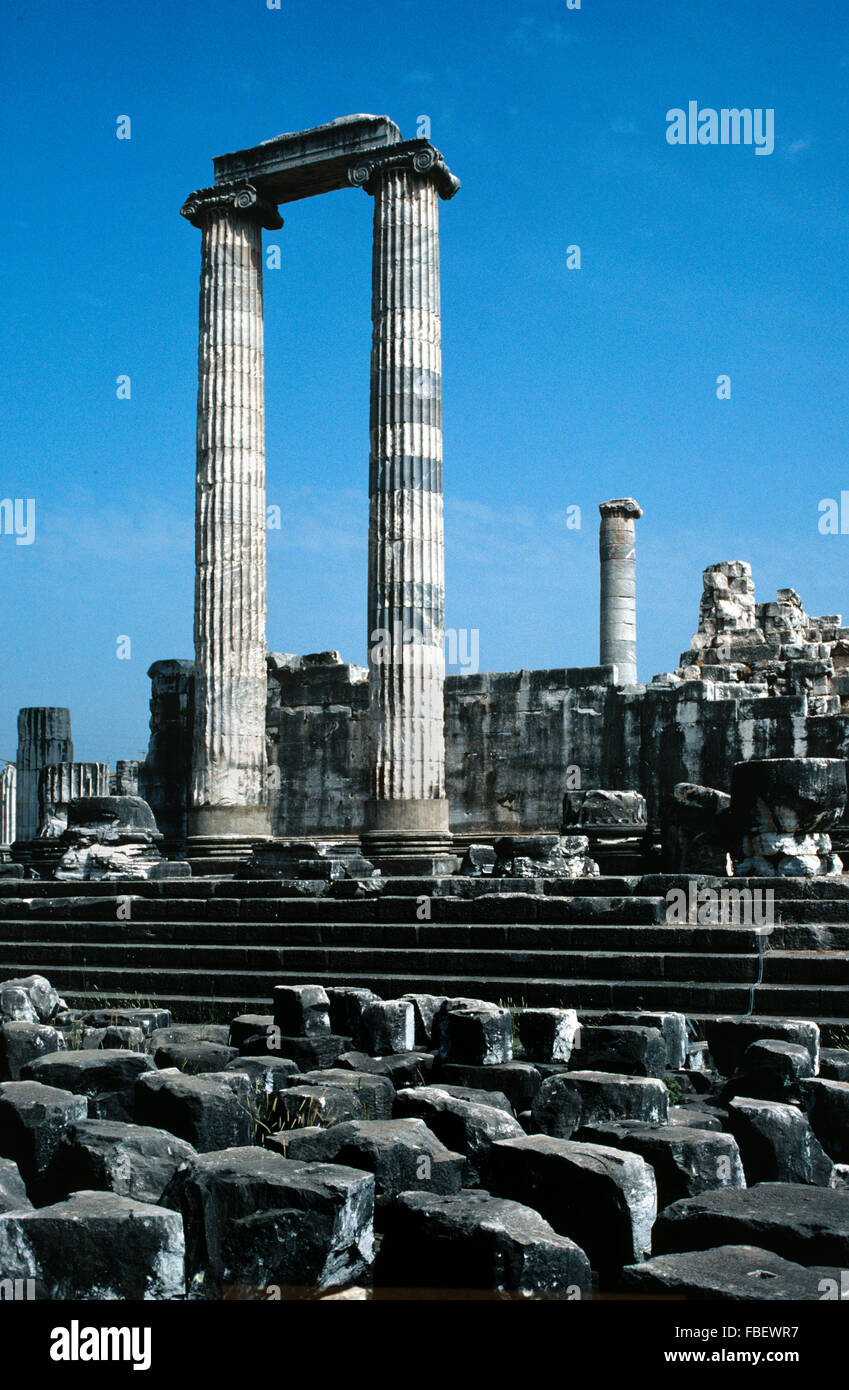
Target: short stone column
x,y
44,738
408,809
228,796
61,783
617,552
127,777
8,808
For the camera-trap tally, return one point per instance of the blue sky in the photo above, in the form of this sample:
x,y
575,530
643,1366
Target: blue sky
x,y
561,387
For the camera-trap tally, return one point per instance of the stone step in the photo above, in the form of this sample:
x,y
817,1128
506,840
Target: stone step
x,y
802,967
513,908
434,936
221,995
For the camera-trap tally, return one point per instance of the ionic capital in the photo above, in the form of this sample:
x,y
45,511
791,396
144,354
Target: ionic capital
x,y
240,198
621,507
417,156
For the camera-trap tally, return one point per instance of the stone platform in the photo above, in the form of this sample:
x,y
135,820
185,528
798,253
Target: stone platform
x,y
210,948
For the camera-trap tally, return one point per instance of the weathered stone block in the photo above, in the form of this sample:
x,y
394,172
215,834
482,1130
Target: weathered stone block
x,y
462,1126
22,1043
685,1161
827,1106
195,1058
13,1192
777,1143
33,1120
728,1038
602,1096
346,1008
475,1241
602,1198
474,1034
547,1035
387,1026
109,1156
403,1155
801,1223
95,1245
107,1077
254,1218
518,1081
301,1011
206,1113
672,1026
739,1273
623,1050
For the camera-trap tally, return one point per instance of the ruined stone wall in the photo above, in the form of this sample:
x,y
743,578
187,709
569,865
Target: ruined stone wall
x,y
759,681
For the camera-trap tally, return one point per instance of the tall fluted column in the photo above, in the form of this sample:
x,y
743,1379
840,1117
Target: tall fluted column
x,y
228,783
617,552
44,738
8,809
408,810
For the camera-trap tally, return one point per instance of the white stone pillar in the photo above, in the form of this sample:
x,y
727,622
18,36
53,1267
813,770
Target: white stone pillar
x,y
408,810
617,552
8,793
44,738
228,784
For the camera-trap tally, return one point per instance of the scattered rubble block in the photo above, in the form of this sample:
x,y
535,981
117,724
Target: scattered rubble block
x,y
696,831
463,1126
109,1156
518,1081
22,1043
387,1026
473,1033
130,1039
33,1120
805,1224
478,859
189,1033
476,1095
95,1245
426,1008
672,1026
107,1077
728,1038
402,1068
475,1241
268,1074
254,1218
253,1033
840,1177
544,856
738,1273
403,1155
195,1058
685,1161
593,1097
29,999
150,1020
13,1192
827,1105
547,1035
604,1199
782,810
206,1113
625,1050
373,1095
301,1011
694,1117
346,1008
771,1070
834,1064
777,1143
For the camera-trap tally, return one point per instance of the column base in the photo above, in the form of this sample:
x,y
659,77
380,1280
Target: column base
x,y
409,838
240,822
